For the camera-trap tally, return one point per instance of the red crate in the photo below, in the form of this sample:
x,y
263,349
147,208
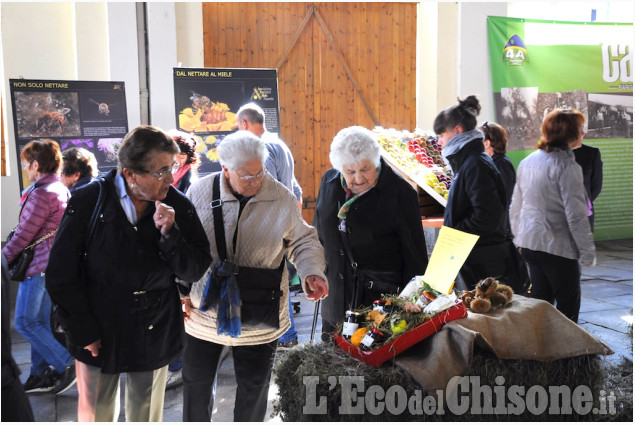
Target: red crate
x,y
389,350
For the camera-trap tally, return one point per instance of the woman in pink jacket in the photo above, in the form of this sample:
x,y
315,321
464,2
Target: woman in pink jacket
x,y
43,204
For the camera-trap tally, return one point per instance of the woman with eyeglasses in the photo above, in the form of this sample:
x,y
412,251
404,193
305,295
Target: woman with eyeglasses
x,y
79,167
369,222
252,222
548,214
477,202
114,278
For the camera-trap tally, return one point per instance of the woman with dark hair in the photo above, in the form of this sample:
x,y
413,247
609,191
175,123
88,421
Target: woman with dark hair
x,y
477,202
548,214
187,159
115,283
495,141
43,204
79,167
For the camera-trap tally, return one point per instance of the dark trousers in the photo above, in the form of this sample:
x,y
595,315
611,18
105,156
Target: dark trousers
x,y
555,278
252,366
15,404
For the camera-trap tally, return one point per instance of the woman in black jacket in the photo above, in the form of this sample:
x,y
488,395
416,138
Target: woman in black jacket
x,y
117,295
477,202
368,215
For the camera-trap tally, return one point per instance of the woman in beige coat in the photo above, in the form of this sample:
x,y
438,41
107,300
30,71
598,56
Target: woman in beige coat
x,y
261,223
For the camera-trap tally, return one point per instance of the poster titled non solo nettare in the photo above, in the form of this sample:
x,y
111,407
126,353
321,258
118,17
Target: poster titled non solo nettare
x,y
86,114
207,99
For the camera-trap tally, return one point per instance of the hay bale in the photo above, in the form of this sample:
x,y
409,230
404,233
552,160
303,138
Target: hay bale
x,y
327,364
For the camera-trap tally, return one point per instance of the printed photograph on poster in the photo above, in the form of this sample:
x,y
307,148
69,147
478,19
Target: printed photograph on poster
x,y
84,114
207,100
610,116
47,114
516,112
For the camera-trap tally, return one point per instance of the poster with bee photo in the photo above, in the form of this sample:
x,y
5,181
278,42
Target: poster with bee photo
x,y
207,99
80,114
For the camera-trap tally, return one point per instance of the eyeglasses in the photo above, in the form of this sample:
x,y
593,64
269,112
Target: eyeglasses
x,y
249,179
162,175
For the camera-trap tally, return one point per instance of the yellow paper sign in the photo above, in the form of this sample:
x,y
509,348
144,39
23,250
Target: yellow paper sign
x,y
450,252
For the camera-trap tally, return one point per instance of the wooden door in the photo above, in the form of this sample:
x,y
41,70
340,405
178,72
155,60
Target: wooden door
x,y
339,64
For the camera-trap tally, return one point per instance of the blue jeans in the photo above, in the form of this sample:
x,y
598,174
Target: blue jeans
x,y
32,315
291,334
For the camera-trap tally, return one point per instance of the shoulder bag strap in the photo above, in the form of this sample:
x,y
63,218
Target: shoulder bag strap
x,y
349,254
219,228
99,206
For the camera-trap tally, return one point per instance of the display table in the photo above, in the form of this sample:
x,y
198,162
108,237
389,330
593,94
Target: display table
x,y
525,328
528,343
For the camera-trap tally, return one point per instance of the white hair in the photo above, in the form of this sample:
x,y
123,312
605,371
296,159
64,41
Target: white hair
x,y
353,145
238,148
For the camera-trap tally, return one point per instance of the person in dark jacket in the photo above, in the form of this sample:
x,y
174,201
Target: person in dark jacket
x,y
495,142
365,211
79,167
116,293
477,202
43,204
15,403
590,160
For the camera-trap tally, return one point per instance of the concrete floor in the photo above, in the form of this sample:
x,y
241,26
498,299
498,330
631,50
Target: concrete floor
x,y
606,312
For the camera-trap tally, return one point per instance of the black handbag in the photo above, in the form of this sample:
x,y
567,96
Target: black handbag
x,y
19,266
259,288
370,284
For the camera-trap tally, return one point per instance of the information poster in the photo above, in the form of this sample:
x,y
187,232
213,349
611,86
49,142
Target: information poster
x,y
86,114
207,99
538,66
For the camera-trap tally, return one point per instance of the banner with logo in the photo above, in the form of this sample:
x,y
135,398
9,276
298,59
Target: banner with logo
x,y
83,114
207,99
538,66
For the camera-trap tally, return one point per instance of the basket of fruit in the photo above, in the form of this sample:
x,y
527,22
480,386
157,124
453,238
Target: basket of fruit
x,y
378,333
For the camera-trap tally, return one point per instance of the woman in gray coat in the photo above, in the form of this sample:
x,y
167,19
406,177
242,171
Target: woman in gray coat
x,y
548,214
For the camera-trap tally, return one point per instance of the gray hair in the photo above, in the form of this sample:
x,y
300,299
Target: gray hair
x,y
352,145
252,113
239,148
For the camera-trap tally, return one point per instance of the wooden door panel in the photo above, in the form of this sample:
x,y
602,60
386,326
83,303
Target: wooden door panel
x,y
352,64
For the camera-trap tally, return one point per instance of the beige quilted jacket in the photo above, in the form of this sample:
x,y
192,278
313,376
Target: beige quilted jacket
x,y
270,226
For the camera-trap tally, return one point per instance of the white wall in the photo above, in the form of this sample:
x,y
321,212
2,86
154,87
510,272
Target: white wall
x,y
84,41
38,42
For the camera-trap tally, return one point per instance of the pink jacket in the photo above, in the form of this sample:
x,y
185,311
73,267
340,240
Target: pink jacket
x,y
42,212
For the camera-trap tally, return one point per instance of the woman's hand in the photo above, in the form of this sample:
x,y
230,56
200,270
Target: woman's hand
x,y
163,217
94,348
186,305
317,288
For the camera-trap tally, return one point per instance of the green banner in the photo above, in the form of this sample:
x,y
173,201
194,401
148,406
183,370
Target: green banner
x,y
538,66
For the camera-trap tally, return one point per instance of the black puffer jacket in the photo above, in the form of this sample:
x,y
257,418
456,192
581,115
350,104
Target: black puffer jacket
x,y
384,230
124,293
477,205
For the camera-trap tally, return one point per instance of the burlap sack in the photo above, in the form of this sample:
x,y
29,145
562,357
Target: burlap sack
x,y
526,328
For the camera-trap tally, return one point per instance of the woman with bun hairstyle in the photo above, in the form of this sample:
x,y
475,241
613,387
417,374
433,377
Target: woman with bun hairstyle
x,y
477,202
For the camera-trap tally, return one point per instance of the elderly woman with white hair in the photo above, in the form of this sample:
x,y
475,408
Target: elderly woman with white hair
x,y
251,221
369,223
